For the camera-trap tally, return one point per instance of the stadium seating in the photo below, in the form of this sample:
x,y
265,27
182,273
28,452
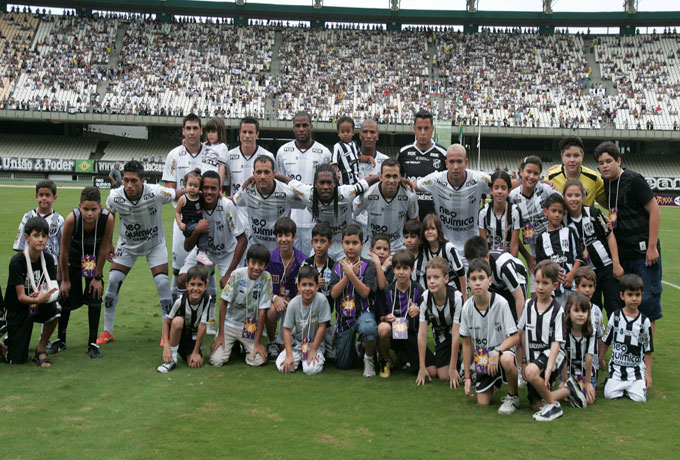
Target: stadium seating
x,y
44,146
121,149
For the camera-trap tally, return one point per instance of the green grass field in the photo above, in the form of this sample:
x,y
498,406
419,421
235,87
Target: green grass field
x,y
120,407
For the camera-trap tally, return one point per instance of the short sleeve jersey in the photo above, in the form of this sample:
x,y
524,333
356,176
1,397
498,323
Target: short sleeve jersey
x,y
56,223
416,164
457,207
630,339
541,329
367,169
388,215
499,228
327,211
508,272
18,276
193,314
303,321
239,166
263,210
591,228
577,349
591,180
141,220
441,317
180,161
531,207
245,297
562,246
487,328
301,165
225,226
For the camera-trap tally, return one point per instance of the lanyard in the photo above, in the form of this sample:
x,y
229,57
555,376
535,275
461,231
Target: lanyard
x,y
616,202
308,323
285,270
396,298
82,236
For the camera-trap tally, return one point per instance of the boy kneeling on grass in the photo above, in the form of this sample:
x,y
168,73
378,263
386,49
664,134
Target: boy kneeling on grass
x,y
304,326
490,333
185,325
243,310
31,296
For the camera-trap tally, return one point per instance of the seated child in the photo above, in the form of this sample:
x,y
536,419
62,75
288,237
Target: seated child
x,y
542,333
243,308
353,288
304,326
585,281
185,325
581,345
398,311
31,296
381,256
189,212
629,332
490,336
434,244
441,307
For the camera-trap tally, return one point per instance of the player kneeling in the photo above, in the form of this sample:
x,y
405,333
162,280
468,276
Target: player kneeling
x,y
488,330
304,326
185,325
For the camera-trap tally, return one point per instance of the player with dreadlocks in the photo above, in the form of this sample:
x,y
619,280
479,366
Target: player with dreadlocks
x,y
329,202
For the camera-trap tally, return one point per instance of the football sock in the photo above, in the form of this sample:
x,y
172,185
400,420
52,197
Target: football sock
x,y
174,352
173,288
116,278
93,314
164,296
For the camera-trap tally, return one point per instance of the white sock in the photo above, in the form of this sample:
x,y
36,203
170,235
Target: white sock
x,y
174,353
366,356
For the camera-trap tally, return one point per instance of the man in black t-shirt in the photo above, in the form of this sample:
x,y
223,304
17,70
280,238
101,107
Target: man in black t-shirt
x,y
422,158
635,217
28,297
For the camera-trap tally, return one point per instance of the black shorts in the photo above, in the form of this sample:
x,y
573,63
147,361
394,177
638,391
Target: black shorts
x,y
542,363
410,348
187,344
484,382
442,354
20,329
77,296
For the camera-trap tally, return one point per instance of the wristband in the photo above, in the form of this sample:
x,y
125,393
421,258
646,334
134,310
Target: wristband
x,y
98,277
468,378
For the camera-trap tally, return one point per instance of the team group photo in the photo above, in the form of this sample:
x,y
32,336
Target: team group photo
x,y
330,273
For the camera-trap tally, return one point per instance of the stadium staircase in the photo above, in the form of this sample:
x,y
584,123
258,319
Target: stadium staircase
x,y
275,71
595,71
434,72
114,59
99,151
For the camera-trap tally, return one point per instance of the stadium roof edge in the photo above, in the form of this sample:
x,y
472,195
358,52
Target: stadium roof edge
x,y
373,15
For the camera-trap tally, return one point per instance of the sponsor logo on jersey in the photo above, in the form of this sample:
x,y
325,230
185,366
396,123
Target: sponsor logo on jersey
x,y
233,156
119,200
148,196
288,149
402,198
315,150
373,197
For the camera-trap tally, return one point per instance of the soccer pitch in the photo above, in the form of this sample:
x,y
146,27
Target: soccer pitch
x,y
120,407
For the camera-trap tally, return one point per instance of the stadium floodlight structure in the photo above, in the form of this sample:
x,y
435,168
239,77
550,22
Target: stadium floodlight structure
x,y
240,2
472,5
394,5
318,4
630,6
547,7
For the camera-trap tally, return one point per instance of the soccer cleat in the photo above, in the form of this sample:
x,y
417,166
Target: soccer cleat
x,y
369,366
272,351
55,347
386,370
576,397
203,259
166,367
104,337
93,351
549,412
510,405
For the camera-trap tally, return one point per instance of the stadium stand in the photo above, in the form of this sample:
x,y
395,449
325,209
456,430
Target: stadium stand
x,y
121,149
16,36
46,146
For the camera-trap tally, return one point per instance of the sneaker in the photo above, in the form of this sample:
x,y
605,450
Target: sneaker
x,y
104,337
210,329
386,370
273,351
549,412
576,397
166,367
93,351
203,259
510,405
369,366
55,347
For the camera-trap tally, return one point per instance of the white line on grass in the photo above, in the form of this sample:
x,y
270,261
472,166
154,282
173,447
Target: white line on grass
x,y
671,284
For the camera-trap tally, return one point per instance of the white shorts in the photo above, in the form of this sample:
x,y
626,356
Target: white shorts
x,y
635,389
232,335
310,369
157,256
222,263
303,240
178,252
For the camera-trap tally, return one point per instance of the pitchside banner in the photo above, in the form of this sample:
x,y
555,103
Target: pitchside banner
x,y
46,165
106,167
442,132
668,200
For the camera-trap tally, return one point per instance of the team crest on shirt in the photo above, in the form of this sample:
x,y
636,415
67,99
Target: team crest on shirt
x,y
565,244
588,228
275,279
436,163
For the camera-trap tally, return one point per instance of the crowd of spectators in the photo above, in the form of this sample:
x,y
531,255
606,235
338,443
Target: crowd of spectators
x,y
212,67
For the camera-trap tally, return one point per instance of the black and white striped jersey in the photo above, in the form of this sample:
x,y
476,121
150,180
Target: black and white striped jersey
x,y
592,229
541,329
193,314
630,339
499,228
508,273
56,223
531,207
449,253
562,246
442,317
346,159
577,348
